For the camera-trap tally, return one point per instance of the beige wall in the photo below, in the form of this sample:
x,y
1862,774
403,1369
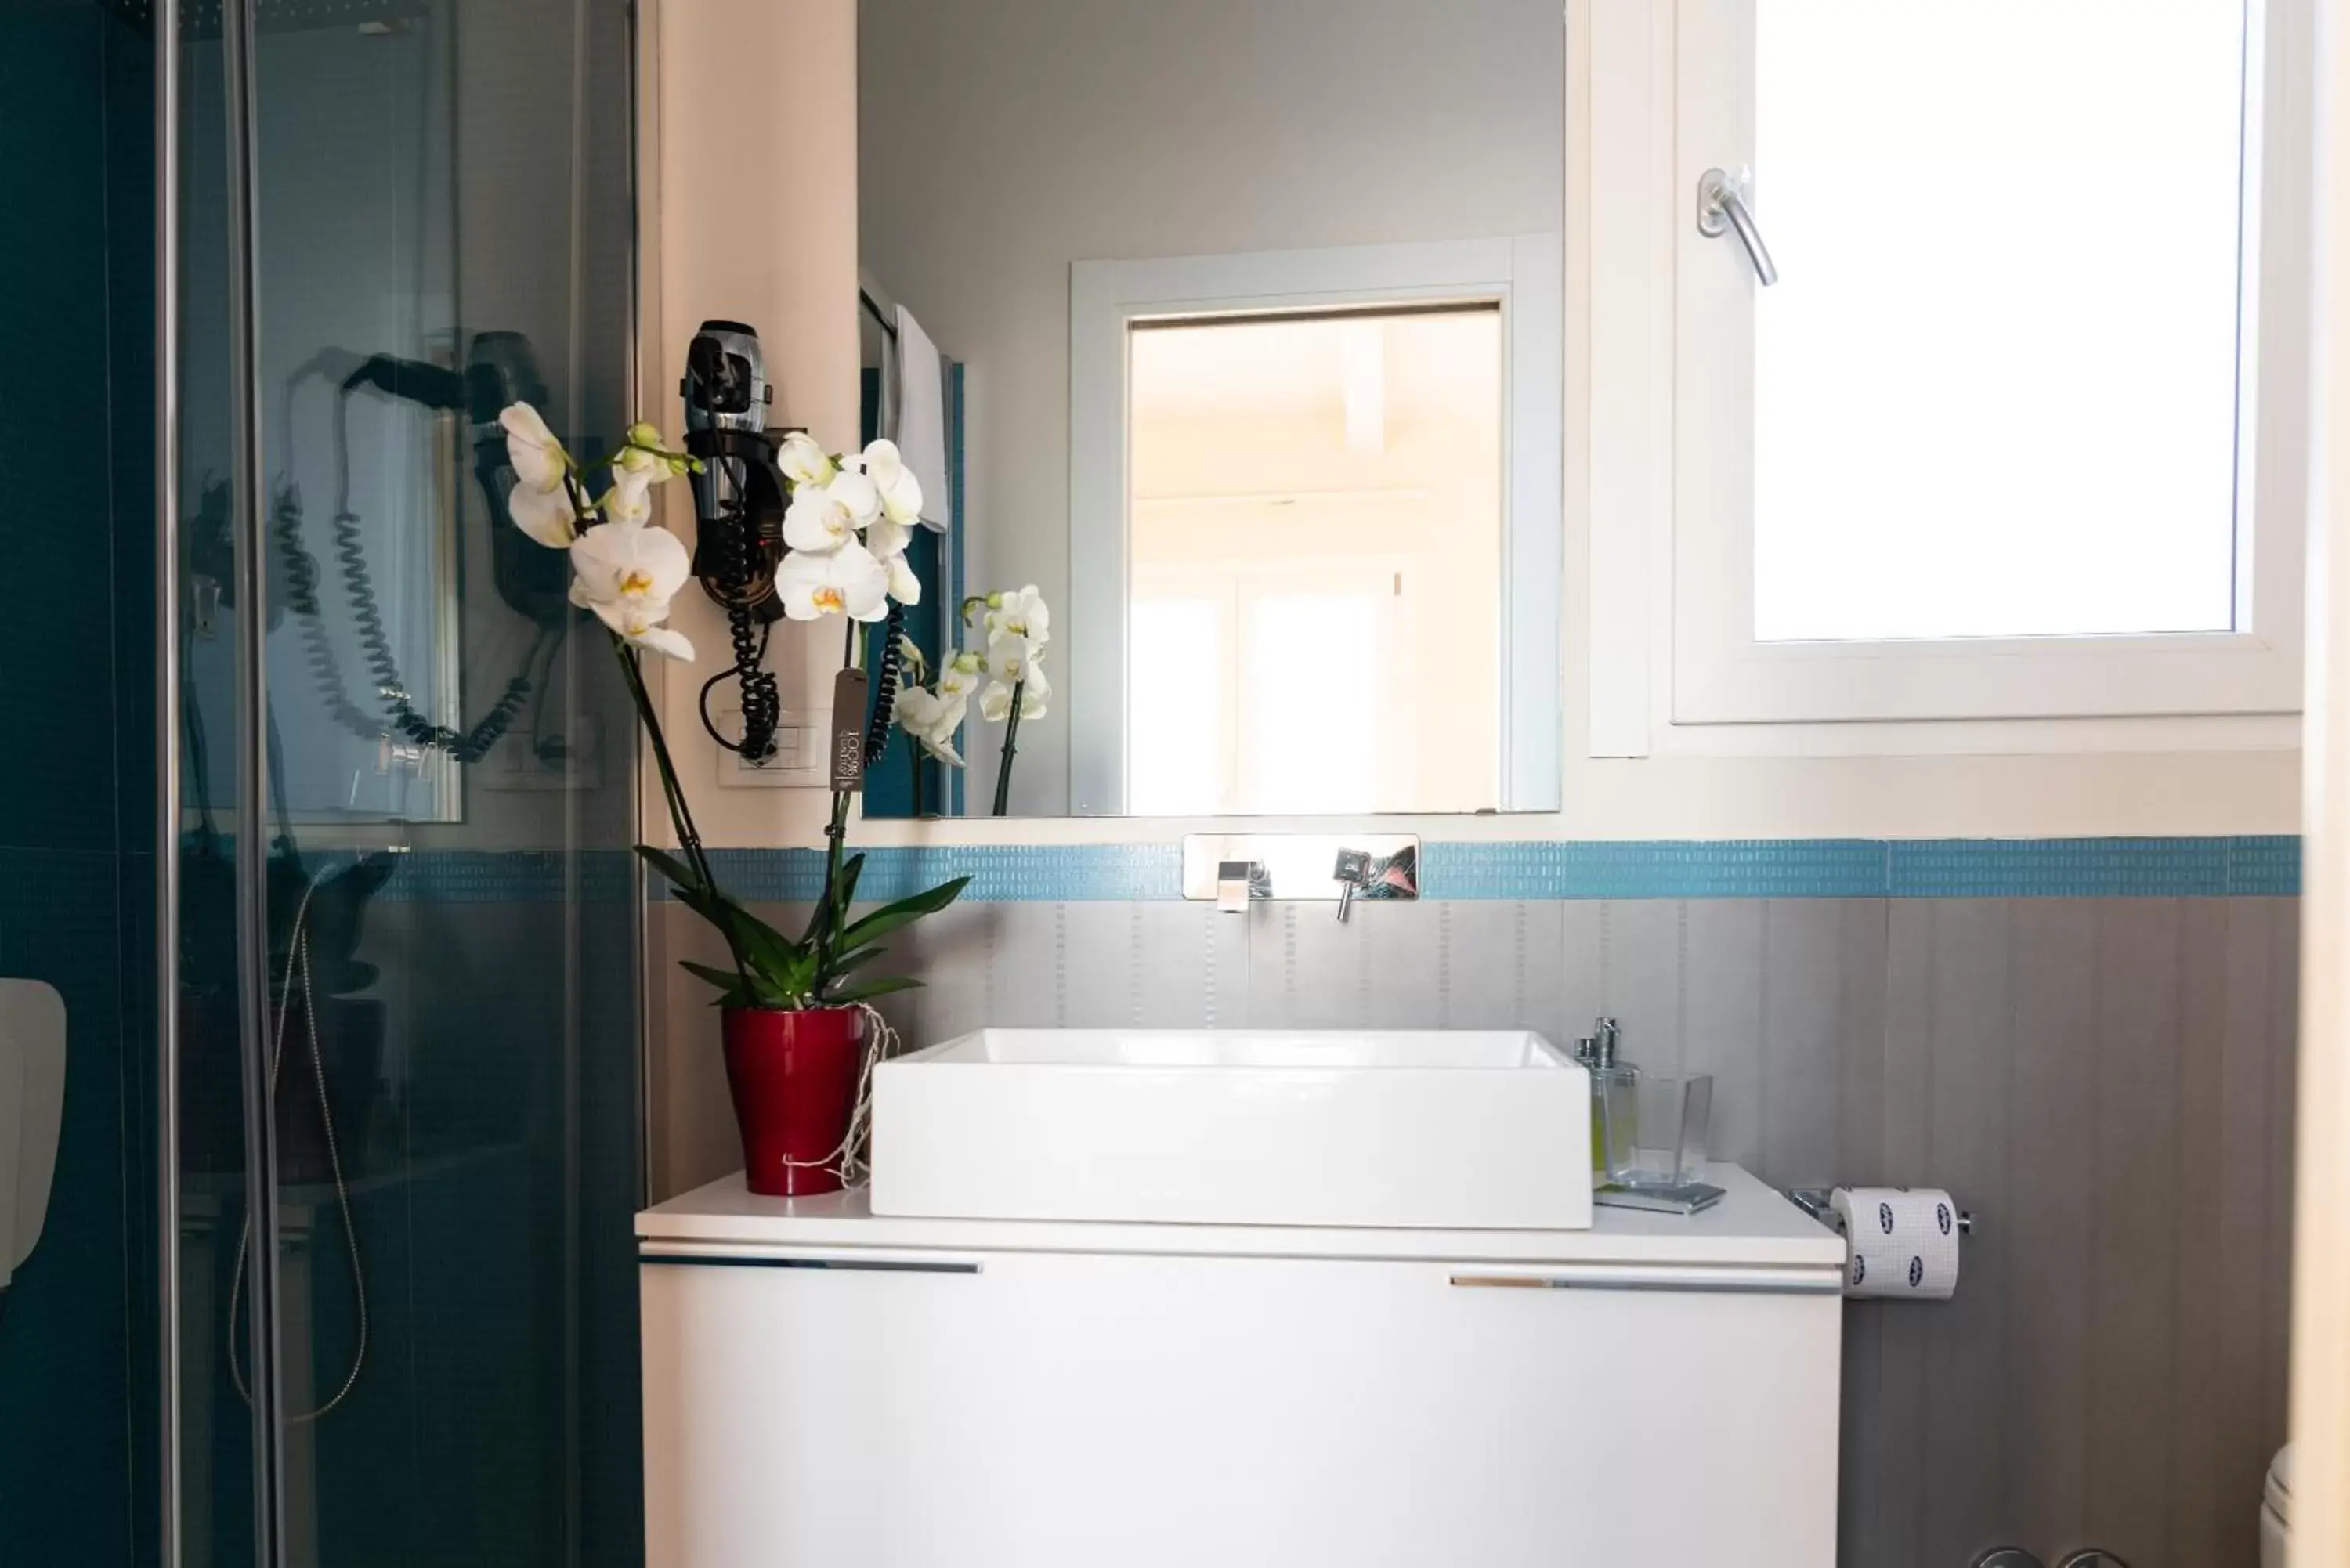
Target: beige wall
x,y
747,165
750,175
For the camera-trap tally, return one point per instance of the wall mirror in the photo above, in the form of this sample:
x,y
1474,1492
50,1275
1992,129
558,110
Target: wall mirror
x,y
1277,446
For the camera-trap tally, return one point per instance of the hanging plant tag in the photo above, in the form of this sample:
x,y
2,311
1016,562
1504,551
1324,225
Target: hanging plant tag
x,y
849,699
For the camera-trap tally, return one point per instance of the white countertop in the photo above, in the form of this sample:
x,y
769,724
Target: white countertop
x,y
1754,1225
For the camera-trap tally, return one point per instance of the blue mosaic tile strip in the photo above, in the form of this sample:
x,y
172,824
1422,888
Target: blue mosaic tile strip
x,y
488,876
2266,867
1680,868
2059,868
1530,869
1000,873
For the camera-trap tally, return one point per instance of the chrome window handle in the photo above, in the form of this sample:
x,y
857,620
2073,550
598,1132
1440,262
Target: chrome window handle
x,y
1722,206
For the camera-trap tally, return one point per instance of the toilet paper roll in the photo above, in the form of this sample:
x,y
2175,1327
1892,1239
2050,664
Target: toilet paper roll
x,y
1901,1243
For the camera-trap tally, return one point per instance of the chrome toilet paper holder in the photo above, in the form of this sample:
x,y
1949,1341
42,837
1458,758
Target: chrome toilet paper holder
x,y
1814,1201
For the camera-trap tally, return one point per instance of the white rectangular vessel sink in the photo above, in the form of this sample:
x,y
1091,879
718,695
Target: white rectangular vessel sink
x,y
1468,1129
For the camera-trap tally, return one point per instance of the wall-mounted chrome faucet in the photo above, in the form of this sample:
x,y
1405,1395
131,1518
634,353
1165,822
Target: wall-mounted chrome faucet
x,y
1353,870
1239,883
1241,869
1392,877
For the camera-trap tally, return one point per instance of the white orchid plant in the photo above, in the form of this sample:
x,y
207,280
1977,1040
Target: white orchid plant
x,y
850,519
1006,673
847,527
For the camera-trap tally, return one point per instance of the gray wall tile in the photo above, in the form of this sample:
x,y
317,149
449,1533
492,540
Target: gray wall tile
x,y
1640,954
1482,959
1721,1006
1971,1022
2133,1244
2047,1222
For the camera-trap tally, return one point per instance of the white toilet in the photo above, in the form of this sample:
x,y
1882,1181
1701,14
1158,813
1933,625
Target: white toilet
x,y
2276,1510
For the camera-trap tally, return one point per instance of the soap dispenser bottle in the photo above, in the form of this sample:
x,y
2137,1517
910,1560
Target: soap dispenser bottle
x,y
1613,1096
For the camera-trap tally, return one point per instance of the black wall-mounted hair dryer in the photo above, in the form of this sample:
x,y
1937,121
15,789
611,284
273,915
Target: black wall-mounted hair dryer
x,y
738,511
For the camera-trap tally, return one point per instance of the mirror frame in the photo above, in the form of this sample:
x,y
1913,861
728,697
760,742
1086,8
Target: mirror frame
x,y
1521,274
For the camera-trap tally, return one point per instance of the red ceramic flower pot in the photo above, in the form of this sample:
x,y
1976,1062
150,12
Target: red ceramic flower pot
x,y
795,1076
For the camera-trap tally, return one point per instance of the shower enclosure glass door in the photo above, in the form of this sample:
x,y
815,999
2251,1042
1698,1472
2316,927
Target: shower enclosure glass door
x,y
398,1109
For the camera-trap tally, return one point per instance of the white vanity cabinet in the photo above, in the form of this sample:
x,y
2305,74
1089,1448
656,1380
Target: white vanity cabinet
x,y
828,1389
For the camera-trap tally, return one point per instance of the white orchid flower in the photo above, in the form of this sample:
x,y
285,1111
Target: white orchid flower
x,y
901,492
628,565
887,540
931,721
640,624
540,503
544,515
996,702
537,459
904,586
855,493
1011,659
846,581
1020,613
804,463
629,502
961,676
910,655
1012,662
815,524
628,576
917,711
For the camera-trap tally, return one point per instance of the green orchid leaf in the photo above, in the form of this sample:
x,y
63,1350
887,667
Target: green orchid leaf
x,y
681,874
725,980
768,949
870,989
800,978
861,956
827,917
904,912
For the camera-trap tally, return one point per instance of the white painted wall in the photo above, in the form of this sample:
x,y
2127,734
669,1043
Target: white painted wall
x,y
2320,1355
999,143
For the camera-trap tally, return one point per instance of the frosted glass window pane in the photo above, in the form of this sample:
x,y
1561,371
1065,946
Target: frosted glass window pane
x,y
1995,392
1309,741
1177,676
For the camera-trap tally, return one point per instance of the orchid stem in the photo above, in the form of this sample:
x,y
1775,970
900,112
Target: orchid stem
x,y
828,921
1011,748
680,815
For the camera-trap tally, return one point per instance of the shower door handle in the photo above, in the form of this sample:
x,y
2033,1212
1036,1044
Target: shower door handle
x,y
1721,207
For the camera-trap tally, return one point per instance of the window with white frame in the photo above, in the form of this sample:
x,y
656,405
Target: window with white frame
x,y
2016,432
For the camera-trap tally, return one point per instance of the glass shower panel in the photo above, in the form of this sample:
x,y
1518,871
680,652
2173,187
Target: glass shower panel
x,y
211,1452
442,225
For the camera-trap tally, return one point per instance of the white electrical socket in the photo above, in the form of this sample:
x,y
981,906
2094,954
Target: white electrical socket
x,y
801,741
516,762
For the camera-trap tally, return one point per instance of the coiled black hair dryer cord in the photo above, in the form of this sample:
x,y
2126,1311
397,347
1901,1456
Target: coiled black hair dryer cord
x,y
762,703
885,685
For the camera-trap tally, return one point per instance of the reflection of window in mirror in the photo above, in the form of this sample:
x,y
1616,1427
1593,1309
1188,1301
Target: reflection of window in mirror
x,y
1315,562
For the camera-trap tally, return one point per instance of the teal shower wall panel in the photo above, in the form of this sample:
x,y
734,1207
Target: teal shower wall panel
x,y
65,1411
57,636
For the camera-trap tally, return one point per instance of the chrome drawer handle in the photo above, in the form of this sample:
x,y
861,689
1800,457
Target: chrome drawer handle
x,y
844,1265
1697,1286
